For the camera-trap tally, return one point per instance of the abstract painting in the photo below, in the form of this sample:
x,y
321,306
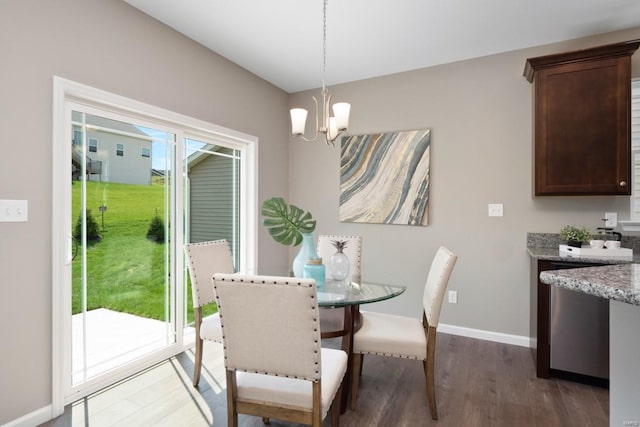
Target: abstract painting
x,y
384,178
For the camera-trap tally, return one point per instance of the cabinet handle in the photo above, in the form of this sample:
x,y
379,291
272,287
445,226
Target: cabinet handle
x,y
623,183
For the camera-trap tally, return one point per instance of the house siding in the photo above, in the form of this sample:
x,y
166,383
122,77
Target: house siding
x,y
211,199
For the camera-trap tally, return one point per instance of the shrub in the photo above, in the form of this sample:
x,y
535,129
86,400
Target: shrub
x,y
156,229
93,232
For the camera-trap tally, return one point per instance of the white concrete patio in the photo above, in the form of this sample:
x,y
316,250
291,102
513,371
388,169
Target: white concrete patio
x,y
113,339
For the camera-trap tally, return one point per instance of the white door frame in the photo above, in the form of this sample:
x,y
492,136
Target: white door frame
x,y
65,92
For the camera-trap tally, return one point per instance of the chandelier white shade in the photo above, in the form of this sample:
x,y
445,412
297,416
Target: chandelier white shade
x,y
298,120
330,127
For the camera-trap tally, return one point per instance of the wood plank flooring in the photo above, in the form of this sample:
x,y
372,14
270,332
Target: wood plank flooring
x,y
478,383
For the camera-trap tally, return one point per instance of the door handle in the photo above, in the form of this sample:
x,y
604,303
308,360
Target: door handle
x,y
75,250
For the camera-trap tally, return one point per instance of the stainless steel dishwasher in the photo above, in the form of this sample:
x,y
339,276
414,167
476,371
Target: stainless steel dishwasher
x,y
579,335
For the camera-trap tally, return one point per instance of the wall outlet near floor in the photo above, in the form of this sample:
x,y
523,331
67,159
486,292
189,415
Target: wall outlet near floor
x,y
453,297
611,219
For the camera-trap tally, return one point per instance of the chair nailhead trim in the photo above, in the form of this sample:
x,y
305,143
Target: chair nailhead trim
x,y
399,356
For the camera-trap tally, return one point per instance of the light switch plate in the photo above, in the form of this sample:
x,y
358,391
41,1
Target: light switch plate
x,y
611,219
496,209
14,210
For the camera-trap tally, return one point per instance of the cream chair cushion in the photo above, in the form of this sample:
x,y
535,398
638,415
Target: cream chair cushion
x,y
210,328
293,391
390,335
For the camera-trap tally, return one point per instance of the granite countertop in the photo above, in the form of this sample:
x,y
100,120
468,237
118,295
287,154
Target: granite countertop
x,y
619,282
554,254
544,246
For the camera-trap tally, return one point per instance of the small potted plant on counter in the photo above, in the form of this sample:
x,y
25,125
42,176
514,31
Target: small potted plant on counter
x,y
575,236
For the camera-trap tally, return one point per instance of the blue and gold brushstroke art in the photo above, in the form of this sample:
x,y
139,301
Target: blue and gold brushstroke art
x,y
384,178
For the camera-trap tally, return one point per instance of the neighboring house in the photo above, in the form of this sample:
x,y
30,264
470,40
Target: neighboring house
x,y
211,203
116,152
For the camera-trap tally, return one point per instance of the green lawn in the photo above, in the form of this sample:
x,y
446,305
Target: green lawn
x,y
125,270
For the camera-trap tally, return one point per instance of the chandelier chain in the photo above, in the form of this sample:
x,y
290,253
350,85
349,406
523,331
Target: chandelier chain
x,y
324,43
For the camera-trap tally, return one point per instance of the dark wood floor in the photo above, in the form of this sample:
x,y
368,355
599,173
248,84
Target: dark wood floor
x,y
478,383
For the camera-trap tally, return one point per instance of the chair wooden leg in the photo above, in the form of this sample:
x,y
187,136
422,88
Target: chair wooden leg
x,y
355,380
232,393
197,365
335,408
429,371
316,415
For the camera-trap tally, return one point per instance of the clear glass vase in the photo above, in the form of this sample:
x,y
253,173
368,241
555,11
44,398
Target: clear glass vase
x,y
306,252
339,266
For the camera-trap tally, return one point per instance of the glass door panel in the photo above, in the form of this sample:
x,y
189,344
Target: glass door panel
x,y
211,200
121,192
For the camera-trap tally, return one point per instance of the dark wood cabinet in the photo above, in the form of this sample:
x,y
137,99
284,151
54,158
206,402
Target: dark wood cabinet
x,y
582,105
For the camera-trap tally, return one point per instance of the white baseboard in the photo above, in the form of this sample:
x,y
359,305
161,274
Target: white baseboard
x,y
34,418
518,340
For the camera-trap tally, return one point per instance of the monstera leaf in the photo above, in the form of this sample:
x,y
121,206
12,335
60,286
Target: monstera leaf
x,y
285,222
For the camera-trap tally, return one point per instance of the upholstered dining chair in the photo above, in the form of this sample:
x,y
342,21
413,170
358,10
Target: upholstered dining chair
x,y
405,337
332,319
204,260
275,365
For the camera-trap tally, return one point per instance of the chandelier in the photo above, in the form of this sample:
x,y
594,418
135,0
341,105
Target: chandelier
x,y
331,127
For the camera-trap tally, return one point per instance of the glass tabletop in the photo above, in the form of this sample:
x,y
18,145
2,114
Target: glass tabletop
x,y
372,288
341,294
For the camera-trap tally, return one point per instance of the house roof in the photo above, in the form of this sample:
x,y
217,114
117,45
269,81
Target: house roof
x,y
112,125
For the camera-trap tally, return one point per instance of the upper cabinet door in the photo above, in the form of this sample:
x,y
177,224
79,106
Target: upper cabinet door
x,y
582,121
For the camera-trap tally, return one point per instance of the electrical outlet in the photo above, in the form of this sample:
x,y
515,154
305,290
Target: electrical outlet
x,y
611,219
496,209
453,297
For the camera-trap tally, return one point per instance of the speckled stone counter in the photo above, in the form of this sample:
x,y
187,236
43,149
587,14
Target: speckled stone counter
x,y
551,240
619,282
553,254
544,246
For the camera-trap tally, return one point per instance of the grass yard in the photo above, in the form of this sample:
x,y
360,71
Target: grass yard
x,y
125,270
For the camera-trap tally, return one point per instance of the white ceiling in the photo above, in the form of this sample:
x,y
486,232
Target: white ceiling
x,y
281,40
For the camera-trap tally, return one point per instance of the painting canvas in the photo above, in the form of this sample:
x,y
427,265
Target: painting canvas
x,y
384,178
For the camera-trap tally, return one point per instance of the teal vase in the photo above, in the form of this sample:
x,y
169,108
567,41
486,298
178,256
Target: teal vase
x,y
306,252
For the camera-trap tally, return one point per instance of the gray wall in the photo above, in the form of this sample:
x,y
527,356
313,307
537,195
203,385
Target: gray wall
x,y
480,115
112,46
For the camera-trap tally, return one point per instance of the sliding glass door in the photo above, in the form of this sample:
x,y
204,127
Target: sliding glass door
x,y
121,214
132,189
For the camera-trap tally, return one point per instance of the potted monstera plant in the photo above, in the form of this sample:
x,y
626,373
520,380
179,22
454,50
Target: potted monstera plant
x,y
290,226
